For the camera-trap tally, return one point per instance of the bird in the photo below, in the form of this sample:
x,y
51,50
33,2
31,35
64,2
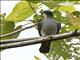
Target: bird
x,y
49,26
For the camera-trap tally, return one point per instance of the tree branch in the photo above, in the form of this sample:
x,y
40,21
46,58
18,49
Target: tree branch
x,y
19,30
17,40
31,7
40,40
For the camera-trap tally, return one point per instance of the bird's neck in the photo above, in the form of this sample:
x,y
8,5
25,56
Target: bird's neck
x,y
49,18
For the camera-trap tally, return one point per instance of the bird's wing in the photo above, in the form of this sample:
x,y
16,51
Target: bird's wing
x,y
58,27
39,27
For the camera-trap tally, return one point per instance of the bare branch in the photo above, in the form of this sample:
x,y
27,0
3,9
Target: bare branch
x,y
17,40
19,30
40,40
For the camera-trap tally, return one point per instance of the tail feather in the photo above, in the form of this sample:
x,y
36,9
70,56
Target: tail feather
x,y
45,47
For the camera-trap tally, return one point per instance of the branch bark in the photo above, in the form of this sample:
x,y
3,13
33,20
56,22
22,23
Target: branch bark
x,y
40,40
17,40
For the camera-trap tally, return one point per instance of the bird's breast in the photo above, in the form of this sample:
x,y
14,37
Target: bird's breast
x,y
49,27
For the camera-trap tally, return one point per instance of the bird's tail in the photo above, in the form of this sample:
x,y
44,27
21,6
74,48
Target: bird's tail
x,y
45,47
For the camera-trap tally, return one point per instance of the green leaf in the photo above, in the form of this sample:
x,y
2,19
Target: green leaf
x,y
69,9
8,27
37,18
72,28
59,48
51,4
77,58
21,11
37,58
30,0
76,13
17,28
57,15
2,16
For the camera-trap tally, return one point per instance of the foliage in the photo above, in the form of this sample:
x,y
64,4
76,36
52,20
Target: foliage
x,y
7,27
72,17
21,11
66,15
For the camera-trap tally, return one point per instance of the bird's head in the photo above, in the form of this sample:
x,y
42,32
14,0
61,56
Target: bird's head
x,y
48,13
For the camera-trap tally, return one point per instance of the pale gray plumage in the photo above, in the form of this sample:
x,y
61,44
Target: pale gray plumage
x,y
48,27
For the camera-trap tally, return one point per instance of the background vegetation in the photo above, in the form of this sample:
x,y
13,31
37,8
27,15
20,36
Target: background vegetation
x,y
65,49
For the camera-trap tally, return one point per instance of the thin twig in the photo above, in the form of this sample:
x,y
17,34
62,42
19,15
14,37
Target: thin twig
x,y
40,40
19,30
32,7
